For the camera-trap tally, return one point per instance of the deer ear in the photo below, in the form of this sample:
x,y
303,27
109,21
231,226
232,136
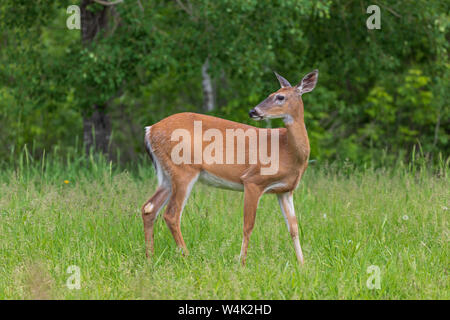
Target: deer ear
x,y
283,82
308,82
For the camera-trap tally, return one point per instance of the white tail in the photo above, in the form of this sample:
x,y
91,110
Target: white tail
x,y
187,147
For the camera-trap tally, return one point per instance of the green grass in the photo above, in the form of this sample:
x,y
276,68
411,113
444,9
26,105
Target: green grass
x,y
349,219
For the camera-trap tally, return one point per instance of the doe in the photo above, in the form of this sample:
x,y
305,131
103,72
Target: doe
x,y
176,178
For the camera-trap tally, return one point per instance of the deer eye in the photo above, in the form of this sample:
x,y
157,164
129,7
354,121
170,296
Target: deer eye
x,y
281,98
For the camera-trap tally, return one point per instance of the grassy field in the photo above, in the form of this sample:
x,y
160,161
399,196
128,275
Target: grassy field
x,y
349,219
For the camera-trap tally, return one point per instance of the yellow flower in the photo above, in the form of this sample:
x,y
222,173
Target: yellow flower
x,y
66,181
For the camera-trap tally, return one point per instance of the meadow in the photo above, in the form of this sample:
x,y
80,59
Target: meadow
x,y
86,213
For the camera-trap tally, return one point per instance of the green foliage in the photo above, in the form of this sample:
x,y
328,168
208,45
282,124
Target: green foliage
x,y
402,115
378,89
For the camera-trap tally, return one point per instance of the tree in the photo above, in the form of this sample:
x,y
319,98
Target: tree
x,y
96,23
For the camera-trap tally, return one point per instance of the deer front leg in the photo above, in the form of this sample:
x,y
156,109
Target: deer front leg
x,y
252,193
287,208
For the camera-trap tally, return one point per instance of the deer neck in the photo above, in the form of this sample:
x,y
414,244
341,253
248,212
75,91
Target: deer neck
x,y
297,136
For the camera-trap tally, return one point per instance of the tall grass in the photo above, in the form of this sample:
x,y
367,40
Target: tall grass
x,y
350,217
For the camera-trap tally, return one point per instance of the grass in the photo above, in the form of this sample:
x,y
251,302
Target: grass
x,y
350,219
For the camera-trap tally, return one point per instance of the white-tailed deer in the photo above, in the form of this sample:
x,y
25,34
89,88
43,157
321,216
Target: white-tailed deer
x,y
175,145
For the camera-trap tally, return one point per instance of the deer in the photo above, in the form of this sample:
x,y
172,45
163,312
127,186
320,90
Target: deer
x,y
177,178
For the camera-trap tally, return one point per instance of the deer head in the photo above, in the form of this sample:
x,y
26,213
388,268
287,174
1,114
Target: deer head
x,y
287,102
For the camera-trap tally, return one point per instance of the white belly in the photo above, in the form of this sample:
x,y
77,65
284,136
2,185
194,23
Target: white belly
x,y
215,181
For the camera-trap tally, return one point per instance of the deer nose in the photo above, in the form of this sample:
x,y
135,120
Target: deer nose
x,y
252,113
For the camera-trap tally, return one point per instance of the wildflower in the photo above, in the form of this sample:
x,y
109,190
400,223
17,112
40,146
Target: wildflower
x,y
324,215
405,217
66,181
444,208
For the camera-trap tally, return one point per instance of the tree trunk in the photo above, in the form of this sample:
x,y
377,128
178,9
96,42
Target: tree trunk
x,y
208,93
97,131
92,22
96,124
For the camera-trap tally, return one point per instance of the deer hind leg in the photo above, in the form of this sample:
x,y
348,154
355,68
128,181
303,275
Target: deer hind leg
x,y
180,193
252,193
287,208
150,211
